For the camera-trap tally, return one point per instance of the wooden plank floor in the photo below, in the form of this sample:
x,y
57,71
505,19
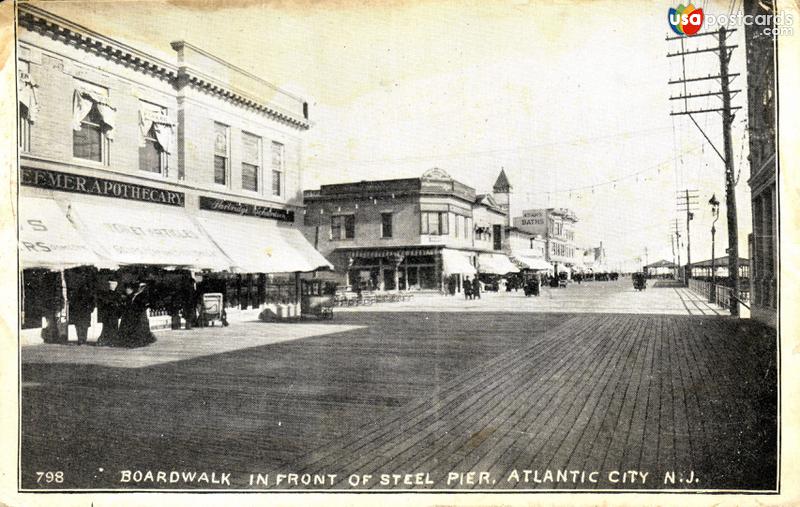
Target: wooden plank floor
x,y
429,393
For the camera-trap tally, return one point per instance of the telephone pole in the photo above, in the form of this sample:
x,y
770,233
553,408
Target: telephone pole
x,y
687,201
725,78
676,230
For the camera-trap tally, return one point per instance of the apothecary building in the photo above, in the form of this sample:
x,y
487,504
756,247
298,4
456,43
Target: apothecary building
x,y
133,165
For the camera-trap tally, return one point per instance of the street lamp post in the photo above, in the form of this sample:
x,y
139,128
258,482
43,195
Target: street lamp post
x,y
715,212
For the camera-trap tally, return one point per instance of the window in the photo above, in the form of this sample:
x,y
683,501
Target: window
x,y
458,225
150,153
156,131
27,104
92,122
276,182
343,227
434,223
24,129
277,168
221,153
251,161
386,225
88,141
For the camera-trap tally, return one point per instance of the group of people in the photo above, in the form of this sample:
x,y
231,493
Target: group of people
x,y
124,317
122,309
472,288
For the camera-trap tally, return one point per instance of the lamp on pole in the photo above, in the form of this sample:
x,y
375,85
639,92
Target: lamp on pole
x,y
715,212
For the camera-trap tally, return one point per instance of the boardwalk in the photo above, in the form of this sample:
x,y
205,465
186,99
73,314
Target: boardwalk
x,y
427,393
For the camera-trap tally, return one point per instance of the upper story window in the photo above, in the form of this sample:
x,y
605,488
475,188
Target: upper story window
x,y
92,122
278,153
386,225
434,223
28,104
251,161
155,138
343,227
221,153
458,226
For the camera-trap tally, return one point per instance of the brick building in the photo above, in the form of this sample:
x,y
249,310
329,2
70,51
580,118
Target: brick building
x,y
407,234
762,102
136,160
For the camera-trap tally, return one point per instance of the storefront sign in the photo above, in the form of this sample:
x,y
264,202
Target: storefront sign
x,y
65,182
241,208
534,221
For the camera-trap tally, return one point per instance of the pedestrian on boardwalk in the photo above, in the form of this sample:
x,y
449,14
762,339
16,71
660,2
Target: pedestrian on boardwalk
x,y
134,326
189,301
451,285
476,288
467,288
81,299
109,307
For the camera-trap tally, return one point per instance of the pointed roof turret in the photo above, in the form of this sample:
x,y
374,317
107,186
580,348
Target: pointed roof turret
x,y
502,186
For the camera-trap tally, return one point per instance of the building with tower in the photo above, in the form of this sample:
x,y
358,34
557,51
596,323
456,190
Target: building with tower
x,y
502,195
407,234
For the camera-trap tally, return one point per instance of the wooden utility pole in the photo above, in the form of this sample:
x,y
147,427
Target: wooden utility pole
x,y
687,201
725,77
730,184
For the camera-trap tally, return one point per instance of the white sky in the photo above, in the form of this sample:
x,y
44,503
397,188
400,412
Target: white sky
x,y
561,94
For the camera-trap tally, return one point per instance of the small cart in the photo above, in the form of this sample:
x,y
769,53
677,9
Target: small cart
x,y
316,299
212,309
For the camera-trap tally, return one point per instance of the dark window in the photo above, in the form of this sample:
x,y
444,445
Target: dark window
x,y
277,168
349,226
24,129
336,228
220,169
276,182
249,177
497,233
343,224
150,155
220,154
88,141
251,160
386,225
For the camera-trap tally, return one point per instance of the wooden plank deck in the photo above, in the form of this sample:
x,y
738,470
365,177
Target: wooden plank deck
x,y
430,393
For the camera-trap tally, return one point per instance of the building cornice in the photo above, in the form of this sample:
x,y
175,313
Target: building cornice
x,y
61,29
48,24
212,85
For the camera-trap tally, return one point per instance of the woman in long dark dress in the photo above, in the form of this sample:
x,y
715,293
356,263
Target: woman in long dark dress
x,y
109,306
134,327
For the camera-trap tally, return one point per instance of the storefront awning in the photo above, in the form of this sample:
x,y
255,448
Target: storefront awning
x,y
47,239
496,264
534,263
456,262
257,245
138,233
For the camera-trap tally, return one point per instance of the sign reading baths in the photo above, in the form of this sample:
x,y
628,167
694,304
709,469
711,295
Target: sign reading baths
x,y
65,182
241,208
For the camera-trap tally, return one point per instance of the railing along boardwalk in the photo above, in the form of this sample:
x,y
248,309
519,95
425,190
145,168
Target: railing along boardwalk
x,y
721,293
